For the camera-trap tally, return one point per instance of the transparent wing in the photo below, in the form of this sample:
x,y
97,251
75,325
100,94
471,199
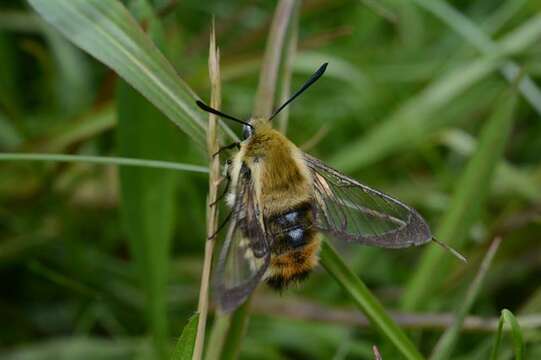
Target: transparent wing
x,y
351,211
245,254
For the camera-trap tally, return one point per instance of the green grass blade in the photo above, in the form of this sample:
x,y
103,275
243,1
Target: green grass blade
x,y
235,332
264,102
470,194
516,335
78,347
147,202
412,122
217,336
148,196
212,198
417,118
107,31
73,88
444,348
366,302
105,160
185,344
287,68
268,77
60,138
10,138
475,35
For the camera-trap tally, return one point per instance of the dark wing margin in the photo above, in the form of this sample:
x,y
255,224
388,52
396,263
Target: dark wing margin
x,y
245,253
351,211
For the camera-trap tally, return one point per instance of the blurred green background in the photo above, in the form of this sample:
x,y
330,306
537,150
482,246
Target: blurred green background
x,y
415,102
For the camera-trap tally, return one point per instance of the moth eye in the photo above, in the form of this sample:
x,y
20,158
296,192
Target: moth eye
x,y
246,132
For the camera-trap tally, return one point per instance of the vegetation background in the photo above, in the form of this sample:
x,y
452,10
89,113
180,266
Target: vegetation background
x,y
435,103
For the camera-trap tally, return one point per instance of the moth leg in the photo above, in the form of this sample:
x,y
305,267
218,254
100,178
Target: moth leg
x,y
226,189
222,225
227,147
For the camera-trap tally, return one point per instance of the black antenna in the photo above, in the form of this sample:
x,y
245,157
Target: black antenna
x,y
207,108
306,85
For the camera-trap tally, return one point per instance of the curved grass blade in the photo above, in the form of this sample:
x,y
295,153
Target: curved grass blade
x,y
416,118
366,302
516,335
107,31
469,198
147,196
235,332
471,33
186,342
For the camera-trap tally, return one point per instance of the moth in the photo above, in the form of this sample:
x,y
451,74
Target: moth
x,y
282,200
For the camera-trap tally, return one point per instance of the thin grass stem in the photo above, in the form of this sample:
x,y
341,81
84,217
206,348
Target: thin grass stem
x,y
214,177
105,160
444,348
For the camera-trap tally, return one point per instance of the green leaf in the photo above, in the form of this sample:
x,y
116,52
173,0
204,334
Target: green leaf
x,y
185,344
107,31
507,317
471,191
367,302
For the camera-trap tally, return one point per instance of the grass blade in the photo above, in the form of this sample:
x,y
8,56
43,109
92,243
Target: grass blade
x,y
107,31
235,332
78,347
287,71
59,139
148,196
444,347
263,106
266,90
185,345
105,160
516,334
411,123
9,136
415,119
471,192
147,202
475,35
214,179
366,302
217,337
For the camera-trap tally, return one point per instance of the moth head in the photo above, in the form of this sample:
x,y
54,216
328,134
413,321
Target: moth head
x,y
255,125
